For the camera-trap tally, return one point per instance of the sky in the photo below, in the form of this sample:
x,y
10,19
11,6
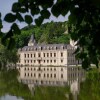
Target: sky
x,y
5,7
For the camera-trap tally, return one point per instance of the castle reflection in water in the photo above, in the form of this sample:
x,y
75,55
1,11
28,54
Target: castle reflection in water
x,y
49,64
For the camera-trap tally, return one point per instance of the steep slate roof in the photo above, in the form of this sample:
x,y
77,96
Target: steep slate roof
x,y
45,47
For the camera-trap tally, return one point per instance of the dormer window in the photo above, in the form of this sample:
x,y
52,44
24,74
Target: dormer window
x,y
25,49
41,48
62,47
31,48
28,49
44,48
35,48
48,48
55,48
51,48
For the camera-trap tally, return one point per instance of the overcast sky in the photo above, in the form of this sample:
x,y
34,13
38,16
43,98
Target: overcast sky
x,y
5,6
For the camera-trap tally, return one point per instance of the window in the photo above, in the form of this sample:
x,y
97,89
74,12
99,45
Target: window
x,y
19,61
62,47
39,75
48,48
28,74
61,54
54,61
31,74
34,61
47,54
44,75
34,69
51,75
34,75
51,61
28,55
55,48
51,69
61,61
44,61
54,54
47,69
51,48
25,69
44,54
54,75
47,61
31,61
54,69
31,69
34,55
61,69
39,55
25,55
41,48
25,74
31,55
61,75
25,61
39,61
50,54
47,75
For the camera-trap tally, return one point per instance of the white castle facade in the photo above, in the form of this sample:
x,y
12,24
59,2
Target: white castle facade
x,y
48,64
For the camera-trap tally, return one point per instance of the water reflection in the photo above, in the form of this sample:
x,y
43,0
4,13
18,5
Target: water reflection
x,y
9,85
8,97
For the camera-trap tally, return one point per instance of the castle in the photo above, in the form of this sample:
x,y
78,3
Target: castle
x,y
48,64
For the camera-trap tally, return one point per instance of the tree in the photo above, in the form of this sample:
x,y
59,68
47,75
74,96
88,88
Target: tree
x,y
84,22
89,89
8,58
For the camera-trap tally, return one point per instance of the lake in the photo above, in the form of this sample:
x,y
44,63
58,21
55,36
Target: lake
x,y
8,97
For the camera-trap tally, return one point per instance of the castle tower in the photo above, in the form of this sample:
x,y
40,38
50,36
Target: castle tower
x,y
32,41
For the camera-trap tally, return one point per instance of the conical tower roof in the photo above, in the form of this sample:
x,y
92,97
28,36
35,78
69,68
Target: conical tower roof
x,y
32,40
